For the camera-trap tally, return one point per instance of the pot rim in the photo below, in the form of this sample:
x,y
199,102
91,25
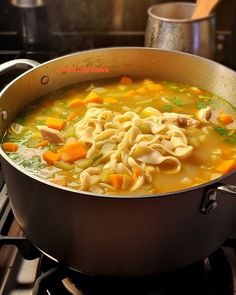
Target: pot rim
x,y
128,197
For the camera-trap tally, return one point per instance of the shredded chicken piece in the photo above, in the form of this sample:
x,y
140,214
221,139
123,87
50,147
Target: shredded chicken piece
x,y
50,134
204,114
182,120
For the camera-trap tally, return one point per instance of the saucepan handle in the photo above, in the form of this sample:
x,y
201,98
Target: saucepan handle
x,y
17,64
210,199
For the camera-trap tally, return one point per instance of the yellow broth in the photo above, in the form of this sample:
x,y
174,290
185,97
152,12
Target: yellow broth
x,y
211,139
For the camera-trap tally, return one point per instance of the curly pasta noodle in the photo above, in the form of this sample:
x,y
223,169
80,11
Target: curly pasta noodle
x,y
128,141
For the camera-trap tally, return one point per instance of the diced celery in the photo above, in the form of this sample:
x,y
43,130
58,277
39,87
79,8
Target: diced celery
x,y
91,94
34,141
70,131
96,159
63,165
106,174
146,113
84,163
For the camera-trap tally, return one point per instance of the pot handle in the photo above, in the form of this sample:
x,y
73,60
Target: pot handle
x,y
17,64
210,198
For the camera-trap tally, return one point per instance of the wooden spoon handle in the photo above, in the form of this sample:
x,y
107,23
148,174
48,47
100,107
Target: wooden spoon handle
x,y
204,8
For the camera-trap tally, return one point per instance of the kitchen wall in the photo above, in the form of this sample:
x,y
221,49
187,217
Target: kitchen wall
x,y
70,25
103,15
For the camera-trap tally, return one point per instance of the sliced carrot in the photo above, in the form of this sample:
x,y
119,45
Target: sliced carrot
x,y
10,147
116,180
126,80
71,117
76,103
225,118
73,152
51,157
110,100
74,115
59,181
226,166
55,123
137,172
96,99
127,182
42,143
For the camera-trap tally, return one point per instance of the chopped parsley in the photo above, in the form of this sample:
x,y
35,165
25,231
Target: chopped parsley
x,y
35,162
229,138
201,105
221,131
14,156
178,101
167,107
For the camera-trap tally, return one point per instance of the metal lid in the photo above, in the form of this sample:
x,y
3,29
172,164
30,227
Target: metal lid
x,y
28,3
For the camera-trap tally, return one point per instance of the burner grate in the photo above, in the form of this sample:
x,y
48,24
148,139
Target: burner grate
x,y
212,276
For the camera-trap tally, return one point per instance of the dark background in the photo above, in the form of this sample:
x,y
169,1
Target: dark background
x,y
64,26
104,15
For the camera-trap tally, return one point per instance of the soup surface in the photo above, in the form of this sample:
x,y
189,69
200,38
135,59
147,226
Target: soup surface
x,y
125,137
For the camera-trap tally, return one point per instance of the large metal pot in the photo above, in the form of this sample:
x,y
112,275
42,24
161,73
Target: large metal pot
x,y
117,235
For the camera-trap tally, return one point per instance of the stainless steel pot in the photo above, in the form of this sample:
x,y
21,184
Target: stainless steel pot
x,y
170,27
117,235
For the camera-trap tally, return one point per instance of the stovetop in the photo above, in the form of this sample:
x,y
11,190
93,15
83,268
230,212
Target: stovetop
x,y
26,271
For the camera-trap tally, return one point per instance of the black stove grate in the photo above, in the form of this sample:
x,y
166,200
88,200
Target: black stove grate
x,y
27,250
212,276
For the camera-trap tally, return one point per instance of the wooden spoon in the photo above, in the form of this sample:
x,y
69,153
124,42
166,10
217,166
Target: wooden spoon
x,y
204,8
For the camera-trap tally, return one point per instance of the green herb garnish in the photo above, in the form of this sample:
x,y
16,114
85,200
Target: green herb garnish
x,y
203,97
35,162
201,105
229,138
178,101
221,131
167,107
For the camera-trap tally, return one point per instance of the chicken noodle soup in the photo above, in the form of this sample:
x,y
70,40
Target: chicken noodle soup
x,y
125,137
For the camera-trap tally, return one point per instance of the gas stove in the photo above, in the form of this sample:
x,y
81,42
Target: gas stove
x,y
26,271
